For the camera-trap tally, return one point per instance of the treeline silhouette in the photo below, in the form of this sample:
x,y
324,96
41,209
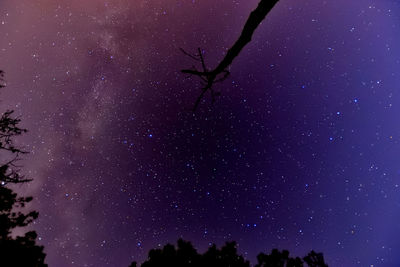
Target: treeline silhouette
x,y
185,255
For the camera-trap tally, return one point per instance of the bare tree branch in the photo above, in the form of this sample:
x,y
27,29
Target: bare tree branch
x,y
212,76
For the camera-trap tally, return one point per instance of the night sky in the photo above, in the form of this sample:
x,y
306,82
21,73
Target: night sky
x,y
301,151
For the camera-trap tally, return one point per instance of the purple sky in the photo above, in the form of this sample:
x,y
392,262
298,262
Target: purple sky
x,y
301,151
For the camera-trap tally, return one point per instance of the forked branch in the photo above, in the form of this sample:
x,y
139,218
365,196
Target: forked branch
x,y
220,73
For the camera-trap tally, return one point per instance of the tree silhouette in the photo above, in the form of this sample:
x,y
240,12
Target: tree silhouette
x,y
221,72
314,259
282,259
20,250
185,255
278,259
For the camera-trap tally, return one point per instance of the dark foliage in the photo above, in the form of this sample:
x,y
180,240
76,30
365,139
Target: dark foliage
x,y
185,255
282,259
314,259
278,259
211,76
20,251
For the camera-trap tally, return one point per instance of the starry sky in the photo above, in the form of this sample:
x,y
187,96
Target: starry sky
x,y
300,152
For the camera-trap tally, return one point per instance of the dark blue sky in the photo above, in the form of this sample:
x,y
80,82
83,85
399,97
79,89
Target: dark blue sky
x,y
300,152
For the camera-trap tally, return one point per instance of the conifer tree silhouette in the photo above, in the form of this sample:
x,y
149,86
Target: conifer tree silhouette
x,y
20,251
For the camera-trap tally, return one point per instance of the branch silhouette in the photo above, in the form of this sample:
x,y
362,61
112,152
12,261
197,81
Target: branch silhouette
x,y
220,73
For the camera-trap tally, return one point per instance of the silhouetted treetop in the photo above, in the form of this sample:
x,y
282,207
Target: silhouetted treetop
x,y
185,255
314,259
20,251
278,259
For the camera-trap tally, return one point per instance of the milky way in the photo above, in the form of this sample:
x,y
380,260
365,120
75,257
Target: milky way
x,y
300,152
